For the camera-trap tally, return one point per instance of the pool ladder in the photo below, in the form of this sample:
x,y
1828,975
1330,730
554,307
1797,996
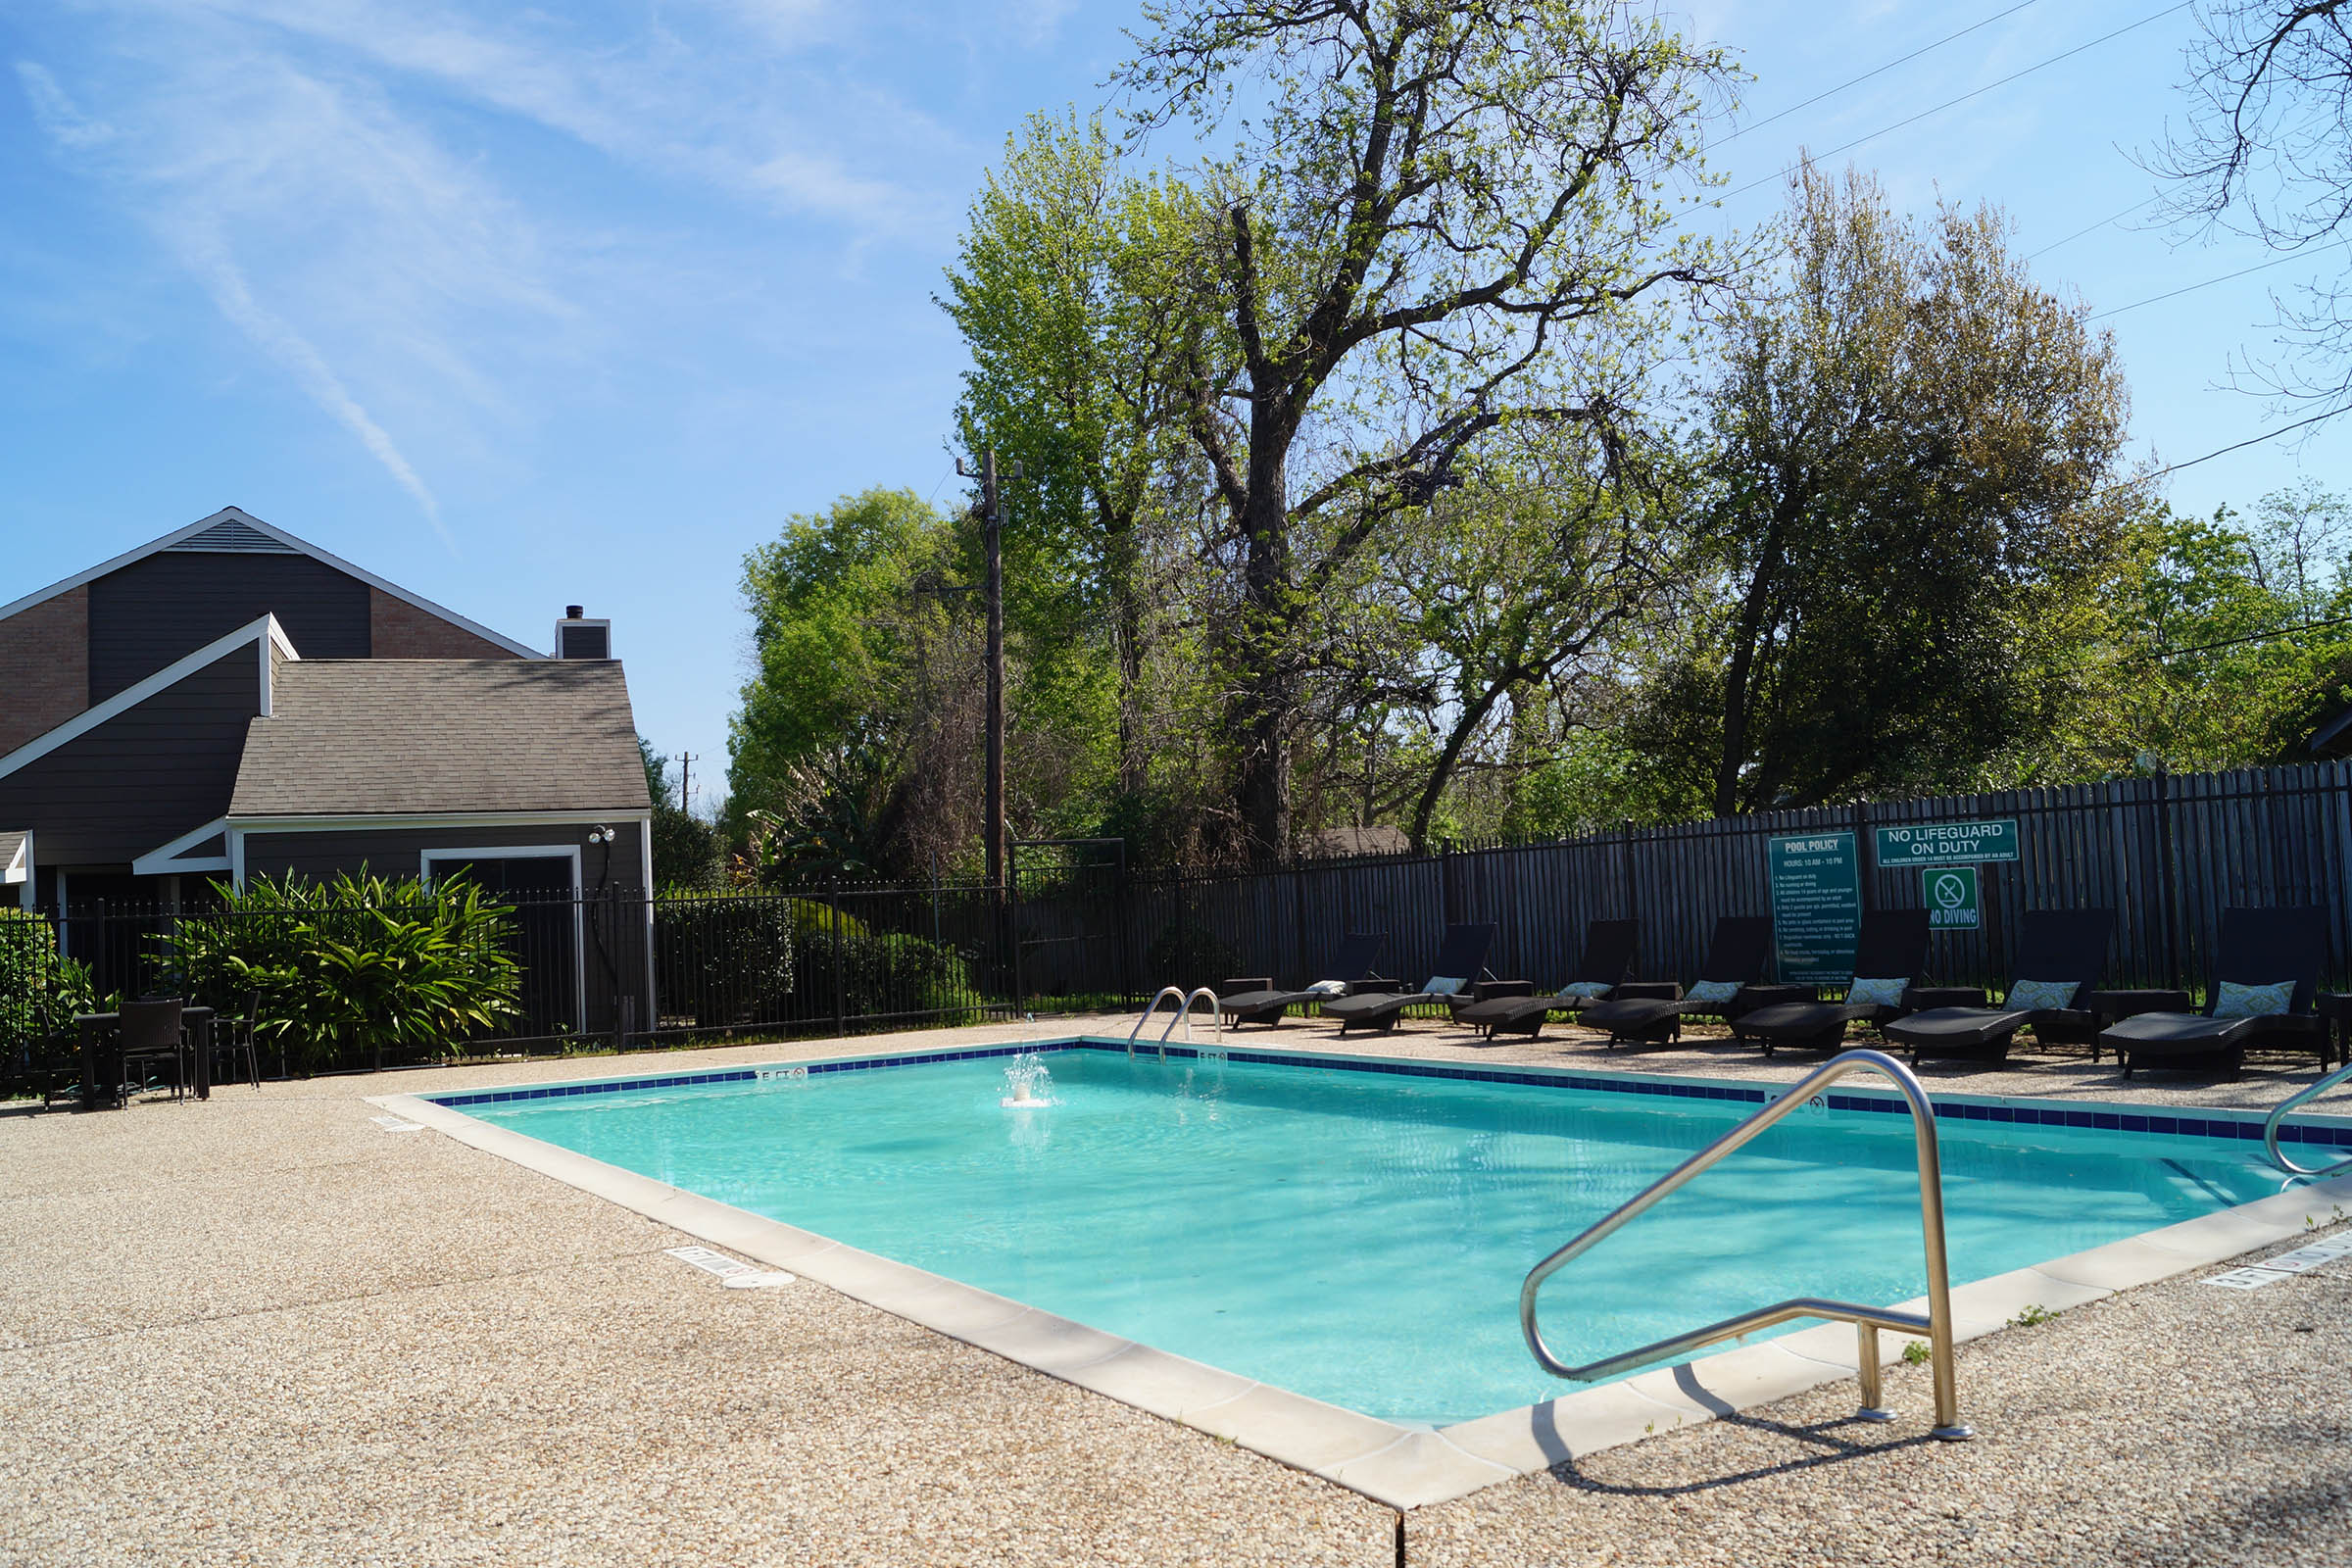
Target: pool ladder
x,y
1183,1013
1936,1326
2303,1096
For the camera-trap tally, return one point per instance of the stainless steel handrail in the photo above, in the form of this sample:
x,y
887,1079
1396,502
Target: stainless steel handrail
x,y
2303,1096
1936,1326
1183,1013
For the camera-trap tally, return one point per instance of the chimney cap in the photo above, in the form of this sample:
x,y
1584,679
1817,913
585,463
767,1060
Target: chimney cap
x,y
573,612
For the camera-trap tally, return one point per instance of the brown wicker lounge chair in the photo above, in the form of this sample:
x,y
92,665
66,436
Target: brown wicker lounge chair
x,y
1256,1000
1728,983
1461,961
1609,958
1891,947
2258,948
2059,955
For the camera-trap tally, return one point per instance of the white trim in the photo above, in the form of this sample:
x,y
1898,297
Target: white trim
x,y
236,858
234,514
579,925
355,824
165,859
19,870
644,861
265,632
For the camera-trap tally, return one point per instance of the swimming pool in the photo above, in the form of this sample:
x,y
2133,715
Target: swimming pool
x,y
1359,1236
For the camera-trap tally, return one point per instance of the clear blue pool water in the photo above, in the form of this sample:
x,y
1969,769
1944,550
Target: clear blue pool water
x,y
1361,1237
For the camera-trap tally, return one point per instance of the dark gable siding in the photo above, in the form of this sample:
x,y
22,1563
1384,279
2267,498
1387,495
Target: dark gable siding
x,y
394,852
172,603
143,777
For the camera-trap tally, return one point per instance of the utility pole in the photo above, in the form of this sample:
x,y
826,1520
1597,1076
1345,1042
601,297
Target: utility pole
x,y
686,782
992,518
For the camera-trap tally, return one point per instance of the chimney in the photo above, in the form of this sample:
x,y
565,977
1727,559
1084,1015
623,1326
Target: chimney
x,y
579,638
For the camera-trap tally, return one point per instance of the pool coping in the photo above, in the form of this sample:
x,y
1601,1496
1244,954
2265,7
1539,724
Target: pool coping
x,y
1401,1466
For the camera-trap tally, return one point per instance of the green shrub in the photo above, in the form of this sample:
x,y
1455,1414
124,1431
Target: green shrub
x,y
346,970
40,989
725,962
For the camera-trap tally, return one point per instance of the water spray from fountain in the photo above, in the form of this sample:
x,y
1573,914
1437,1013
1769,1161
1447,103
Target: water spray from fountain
x,y
1031,1085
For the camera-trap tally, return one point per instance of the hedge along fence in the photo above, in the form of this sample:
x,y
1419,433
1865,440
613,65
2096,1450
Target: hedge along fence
x,y
40,990
339,973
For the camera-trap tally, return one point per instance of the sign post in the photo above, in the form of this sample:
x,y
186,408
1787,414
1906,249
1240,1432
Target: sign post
x,y
1953,898
1816,907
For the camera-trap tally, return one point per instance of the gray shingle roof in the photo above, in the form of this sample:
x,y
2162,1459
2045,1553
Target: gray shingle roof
x,y
11,841
363,737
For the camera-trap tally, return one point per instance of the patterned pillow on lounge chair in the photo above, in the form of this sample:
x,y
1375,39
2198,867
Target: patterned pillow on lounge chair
x,y
2041,995
1586,988
2253,1001
1876,993
1328,988
1712,992
1441,986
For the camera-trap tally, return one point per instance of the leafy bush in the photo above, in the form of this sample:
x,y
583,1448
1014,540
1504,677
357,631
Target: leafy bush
x,y
347,969
725,962
40,989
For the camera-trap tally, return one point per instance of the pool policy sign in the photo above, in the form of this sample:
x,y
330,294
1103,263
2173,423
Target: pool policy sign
x,y
1816,908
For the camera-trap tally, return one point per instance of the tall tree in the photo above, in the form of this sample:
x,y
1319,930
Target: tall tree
x,y
2268,152
1056,294
1435,221
1514,588
1911,446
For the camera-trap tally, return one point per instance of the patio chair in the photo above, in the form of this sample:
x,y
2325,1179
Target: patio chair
x,y
1609,958
232,1037
1728,983
1461,961
2060,955
2264,977
1891,960
152,1032
1256,1000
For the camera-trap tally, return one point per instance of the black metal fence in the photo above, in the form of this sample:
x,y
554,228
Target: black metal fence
x,y
1074,929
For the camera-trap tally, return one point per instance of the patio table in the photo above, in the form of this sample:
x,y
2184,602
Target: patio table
x,y
100,1089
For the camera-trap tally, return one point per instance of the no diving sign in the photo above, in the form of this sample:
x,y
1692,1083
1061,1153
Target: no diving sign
x,y
1953,897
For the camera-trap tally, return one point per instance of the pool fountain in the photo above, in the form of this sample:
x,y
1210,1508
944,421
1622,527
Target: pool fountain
x,y
1031,1085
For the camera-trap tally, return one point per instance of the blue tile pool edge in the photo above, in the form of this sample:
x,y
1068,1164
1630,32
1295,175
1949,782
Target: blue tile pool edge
x,y
2096,1115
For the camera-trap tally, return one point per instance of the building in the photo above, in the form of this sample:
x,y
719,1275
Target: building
x,y
230,700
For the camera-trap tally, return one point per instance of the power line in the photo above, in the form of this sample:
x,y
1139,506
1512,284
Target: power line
x,y
2256,637
2080,232
2218,452
1856,82
2191,288
1949,103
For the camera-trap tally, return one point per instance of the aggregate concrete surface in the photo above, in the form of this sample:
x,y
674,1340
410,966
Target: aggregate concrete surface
x,y
263,1330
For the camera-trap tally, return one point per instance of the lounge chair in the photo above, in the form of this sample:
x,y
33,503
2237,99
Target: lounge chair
x,y
2264,978
1728,984
1254,999
2060,955
1461,961
1891,960
1609,958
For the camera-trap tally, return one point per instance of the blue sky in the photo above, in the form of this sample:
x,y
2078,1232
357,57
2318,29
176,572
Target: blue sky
x,y
522,308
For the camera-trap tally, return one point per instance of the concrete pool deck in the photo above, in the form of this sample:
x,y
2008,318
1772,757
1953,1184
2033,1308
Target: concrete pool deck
x,y
264,1329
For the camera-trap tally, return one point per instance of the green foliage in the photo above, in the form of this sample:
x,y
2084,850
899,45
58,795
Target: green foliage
x,y
341,971
855,750
1913,448
40,989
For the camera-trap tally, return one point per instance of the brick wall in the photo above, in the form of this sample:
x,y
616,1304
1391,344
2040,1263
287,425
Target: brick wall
x,y
398,629
44,666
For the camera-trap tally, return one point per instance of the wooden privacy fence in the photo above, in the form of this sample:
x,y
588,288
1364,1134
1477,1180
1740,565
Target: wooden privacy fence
x,y
2167,853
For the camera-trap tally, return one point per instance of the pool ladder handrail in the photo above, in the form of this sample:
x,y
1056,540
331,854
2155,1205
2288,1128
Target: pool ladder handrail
x,y
1936,1326
1183,1012
2303,1096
